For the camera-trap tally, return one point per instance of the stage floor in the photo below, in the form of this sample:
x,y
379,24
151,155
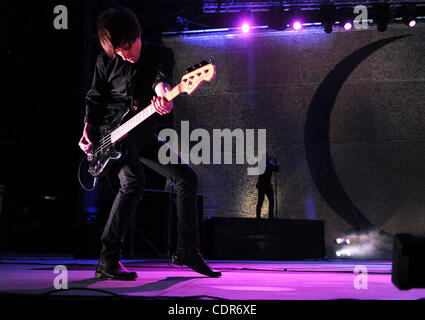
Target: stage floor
x,y
241,280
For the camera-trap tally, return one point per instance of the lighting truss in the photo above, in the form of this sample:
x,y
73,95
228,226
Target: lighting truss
x,y
313,12
216,6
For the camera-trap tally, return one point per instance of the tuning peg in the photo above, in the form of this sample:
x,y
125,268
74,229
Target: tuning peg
x,y
190,69
198,65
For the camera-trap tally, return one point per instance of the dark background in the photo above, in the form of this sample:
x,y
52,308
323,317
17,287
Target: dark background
x,y
40,125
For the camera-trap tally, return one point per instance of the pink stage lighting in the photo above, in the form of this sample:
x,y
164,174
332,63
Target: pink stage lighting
x,y
348,26
297,25
412,23
246,27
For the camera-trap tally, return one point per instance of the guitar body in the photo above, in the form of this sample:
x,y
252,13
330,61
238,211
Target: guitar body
x,y
107,152
99,163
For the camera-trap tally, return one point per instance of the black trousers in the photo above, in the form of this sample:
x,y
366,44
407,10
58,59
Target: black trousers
x,y
132,181
265,191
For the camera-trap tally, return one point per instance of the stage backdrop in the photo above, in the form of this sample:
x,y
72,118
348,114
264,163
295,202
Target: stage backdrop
x,y
344,113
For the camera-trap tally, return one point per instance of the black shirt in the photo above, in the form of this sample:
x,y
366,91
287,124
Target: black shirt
x,y
264,180
119,84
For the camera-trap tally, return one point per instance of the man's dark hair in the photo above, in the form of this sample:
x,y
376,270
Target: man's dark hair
x,y
117,28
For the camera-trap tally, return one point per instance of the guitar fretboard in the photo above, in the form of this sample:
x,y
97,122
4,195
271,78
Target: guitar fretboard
x,y
130,124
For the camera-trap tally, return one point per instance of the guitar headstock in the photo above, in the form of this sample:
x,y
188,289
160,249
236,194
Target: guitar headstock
x,y
203,71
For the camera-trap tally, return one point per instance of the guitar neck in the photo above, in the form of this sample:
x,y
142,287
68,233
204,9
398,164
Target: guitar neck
x,y
132,123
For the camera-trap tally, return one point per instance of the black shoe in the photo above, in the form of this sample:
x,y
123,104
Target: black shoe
x,y
113,271
194,260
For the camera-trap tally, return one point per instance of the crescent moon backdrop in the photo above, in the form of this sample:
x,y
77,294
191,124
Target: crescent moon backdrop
x,y
344,113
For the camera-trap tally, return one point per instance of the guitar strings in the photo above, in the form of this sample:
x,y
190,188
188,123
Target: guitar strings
x,y
103,145
106,141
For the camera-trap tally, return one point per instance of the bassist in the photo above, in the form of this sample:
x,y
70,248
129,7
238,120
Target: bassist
x,y
128,73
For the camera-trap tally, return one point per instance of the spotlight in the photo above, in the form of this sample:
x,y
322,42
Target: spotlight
x,y
343,253
382,16
345,18
328,17
348,26
297,25
412,23
295,16
245,27
409,15
342,241
373,244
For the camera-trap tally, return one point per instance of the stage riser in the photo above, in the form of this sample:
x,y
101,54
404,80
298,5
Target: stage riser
x,y
252,239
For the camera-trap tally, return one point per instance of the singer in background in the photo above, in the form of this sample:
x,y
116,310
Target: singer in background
x,y
264,185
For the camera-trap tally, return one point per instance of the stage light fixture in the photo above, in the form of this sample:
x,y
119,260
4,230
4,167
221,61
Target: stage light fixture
x,y
328,17
364,245
342,241
343,253
382,16
348,26
245,27
297,25
409,15
295,17
345,18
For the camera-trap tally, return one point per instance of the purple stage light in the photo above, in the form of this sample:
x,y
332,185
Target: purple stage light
x,y
297,25
348,26
245,27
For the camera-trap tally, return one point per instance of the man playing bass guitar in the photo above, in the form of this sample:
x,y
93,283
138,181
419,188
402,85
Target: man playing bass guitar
x,y
128,73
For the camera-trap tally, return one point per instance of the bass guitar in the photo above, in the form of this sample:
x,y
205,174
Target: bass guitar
x,y
106,148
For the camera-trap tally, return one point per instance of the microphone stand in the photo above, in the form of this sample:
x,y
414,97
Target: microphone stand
x,y
275,195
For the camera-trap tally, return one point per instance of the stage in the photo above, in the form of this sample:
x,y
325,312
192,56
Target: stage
x,y
241,280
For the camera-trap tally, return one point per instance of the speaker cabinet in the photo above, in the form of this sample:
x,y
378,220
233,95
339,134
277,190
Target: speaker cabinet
x,y
252,239
408,268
